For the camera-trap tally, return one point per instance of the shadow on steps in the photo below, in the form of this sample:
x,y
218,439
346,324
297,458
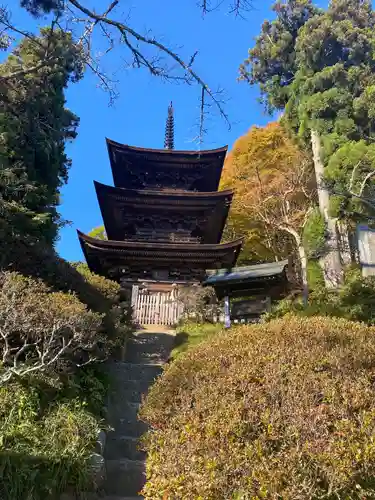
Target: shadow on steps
x,y
147,352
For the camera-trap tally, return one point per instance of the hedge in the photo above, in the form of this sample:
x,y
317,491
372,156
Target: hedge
x,y
278,410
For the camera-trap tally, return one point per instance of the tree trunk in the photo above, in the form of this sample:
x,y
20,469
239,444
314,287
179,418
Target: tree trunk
x,y
305,285
331,262
346,252
303,261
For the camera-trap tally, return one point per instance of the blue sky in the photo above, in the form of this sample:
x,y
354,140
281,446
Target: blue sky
x,y
138,116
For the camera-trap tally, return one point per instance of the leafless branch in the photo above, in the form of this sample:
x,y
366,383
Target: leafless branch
x,y
4,20
240,6
201,116
104,81
127,31
353,175
84,21
364,182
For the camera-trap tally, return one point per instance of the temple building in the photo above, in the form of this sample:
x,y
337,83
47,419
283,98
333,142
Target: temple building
x,y
164,217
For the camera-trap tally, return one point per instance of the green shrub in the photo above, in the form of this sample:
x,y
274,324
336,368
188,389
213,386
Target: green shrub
x,y
190,334
108,288
98,293
42,262
41,329
315,276
118,322
278,410
314,235
51,411
47,434
355,301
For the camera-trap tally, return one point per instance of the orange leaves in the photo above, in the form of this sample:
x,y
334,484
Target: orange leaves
x,y
272,178
260,161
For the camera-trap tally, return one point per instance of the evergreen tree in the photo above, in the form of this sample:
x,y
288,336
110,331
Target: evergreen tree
x,y
333,96
34,126
321,74
99,233
272,61
38,7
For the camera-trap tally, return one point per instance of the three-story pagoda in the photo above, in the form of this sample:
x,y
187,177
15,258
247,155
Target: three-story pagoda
x,y
164,217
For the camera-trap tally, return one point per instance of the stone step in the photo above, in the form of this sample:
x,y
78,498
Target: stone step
x,y
133,395
125,477
136,371
134,349
143,358
157,338
128,427
123,447
120,408
141,386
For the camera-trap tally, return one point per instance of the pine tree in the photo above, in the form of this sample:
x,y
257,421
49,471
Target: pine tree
x,y
324,85
34,126
38,7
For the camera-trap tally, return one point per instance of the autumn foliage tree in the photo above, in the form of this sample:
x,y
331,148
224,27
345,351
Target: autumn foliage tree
x,y
274,190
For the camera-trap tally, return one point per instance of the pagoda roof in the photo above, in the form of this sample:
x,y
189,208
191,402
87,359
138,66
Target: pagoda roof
x,y
207,211
103,256
247,280
245,273
141,168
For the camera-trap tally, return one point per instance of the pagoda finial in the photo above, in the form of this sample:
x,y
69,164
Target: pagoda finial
x,y
169,129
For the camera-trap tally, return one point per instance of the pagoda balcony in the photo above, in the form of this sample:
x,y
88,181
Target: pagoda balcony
x,y
138,260
130,214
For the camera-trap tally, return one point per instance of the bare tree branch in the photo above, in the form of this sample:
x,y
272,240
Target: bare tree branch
x,y
83,21
125,30
364,182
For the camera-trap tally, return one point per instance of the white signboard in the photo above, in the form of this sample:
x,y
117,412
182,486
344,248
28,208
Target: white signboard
x,y
366,248
226,312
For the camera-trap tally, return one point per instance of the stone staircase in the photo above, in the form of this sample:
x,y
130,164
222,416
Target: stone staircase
x,y
131,379
125,463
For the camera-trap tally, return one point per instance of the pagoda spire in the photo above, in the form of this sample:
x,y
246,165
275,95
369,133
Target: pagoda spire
x,y
169,129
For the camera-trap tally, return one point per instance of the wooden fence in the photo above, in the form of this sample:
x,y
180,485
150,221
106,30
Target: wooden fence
x,y
156,308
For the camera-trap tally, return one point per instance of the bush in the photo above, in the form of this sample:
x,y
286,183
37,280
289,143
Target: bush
x,y
199,303
278,410
118,322
315,276
47,434
39,261
109,289
354,301
190,334
40,329
98,293
54,318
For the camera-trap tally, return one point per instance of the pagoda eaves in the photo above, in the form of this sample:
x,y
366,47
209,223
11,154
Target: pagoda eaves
x,y
164,218
134,260
141,168
163,215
